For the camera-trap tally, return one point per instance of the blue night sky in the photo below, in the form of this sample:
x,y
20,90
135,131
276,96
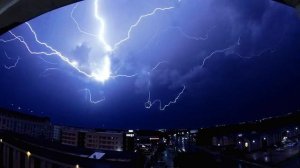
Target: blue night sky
x,y
209,61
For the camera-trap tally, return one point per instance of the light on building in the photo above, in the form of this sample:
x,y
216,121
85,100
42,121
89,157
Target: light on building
x,y
246,144
239,142
1,140
129,135
265,138
77,166
130,130
253,141
287,131
296,128
219,144
28,154
284,139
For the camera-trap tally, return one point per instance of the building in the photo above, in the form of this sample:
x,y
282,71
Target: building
x,y
254,135
89,138
104,140
56,134
37,153
25,124
72,136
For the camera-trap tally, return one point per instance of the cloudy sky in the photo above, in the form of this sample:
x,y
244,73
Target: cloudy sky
x,y
204,62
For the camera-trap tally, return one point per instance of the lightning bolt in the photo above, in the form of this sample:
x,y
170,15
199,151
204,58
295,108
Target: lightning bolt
x,y
88,92
77,24
10,40
157,65
141,18
103,73
46,61
43,74
271,50
101,36
218,51
123,75
11,66
150,103
188,36
53,52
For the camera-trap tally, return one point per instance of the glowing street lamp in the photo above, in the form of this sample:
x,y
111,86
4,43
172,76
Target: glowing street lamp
x,y
28,154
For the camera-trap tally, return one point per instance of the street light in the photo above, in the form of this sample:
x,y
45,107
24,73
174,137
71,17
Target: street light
x,y
28,154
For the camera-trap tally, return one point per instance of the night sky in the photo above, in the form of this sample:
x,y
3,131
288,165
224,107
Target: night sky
x,y
238,61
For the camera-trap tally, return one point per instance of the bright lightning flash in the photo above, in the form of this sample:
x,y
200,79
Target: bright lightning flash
x,y
99,72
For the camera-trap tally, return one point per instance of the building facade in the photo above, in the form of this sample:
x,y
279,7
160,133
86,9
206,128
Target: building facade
x,y
37,153
104,140
25,124
89,138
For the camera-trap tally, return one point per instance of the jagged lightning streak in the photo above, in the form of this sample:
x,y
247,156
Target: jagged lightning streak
x,y
271,50
53,52
98,74
150,103
46,61
11,66
158,64
108,49
218,51
77,25
123,75
138,22
88,92
43,74
101,35
191,37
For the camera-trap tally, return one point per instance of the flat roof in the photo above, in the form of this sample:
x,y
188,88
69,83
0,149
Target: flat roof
x,y
23,116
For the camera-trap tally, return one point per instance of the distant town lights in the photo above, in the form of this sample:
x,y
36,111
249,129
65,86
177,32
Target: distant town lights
x,y
246,144
1,140
77,166
253,141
